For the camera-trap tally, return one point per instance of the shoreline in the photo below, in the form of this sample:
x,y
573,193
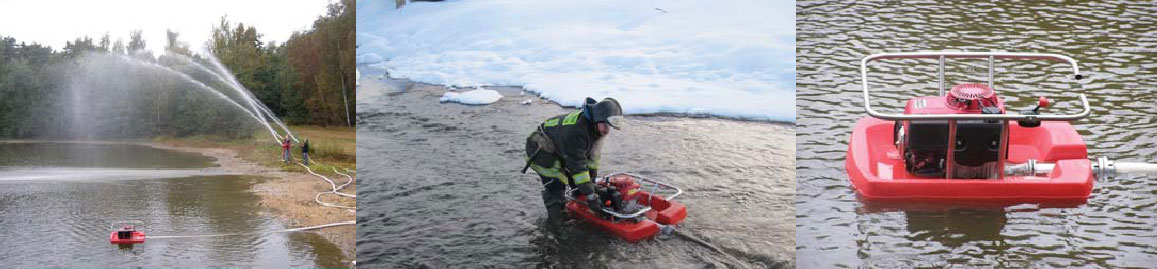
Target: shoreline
x,y
288,194
384,78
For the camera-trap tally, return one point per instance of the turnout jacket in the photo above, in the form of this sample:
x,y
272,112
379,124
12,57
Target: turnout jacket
x,y
565,146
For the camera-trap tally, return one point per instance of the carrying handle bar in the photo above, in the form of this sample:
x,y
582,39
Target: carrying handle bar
x,y
991,56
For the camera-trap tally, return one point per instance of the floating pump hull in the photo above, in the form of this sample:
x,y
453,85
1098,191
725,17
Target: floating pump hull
x,y
665,212
136,238
875,167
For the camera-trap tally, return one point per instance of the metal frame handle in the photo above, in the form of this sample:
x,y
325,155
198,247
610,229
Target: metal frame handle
x,y
644,210
991,56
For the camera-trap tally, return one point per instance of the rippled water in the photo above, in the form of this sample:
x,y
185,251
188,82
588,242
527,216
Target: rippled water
x,y
441,186
1116,46
64,218
89,155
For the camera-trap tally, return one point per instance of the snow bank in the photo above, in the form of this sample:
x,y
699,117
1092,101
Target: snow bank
x,y
729,58
477,96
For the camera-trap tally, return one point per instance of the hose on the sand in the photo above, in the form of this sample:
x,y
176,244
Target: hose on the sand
x,y
334,190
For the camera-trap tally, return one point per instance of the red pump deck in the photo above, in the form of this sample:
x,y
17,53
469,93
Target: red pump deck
x,y
663,211
877,171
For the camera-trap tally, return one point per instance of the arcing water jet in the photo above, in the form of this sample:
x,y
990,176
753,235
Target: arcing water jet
x,y
258,109
190,79
243,100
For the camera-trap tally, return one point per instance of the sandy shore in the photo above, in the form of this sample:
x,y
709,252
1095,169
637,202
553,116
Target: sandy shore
x,y
290,195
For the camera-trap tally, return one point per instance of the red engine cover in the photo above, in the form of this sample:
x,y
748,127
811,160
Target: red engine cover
x,y
962,99
626,186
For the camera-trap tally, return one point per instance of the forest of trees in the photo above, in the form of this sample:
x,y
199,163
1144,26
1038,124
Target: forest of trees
x,y
308,79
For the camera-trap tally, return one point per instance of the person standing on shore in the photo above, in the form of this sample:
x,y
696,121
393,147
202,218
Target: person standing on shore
x,y
305,152
564,151
285,146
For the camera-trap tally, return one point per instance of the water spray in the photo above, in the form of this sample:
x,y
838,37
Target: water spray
x,y
201,85
257,107
240,91
248,95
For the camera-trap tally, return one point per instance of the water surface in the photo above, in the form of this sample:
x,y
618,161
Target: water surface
x,y
95,155
63,217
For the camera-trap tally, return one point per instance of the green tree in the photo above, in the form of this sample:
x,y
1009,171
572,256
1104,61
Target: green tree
x,y
78,47
136,43
104,42
321,57
174,45
118,46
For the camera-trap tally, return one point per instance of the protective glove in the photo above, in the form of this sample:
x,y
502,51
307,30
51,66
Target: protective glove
x,y
595,204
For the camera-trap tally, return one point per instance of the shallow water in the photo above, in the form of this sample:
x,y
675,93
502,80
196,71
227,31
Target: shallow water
x,y
1115,45
441,186
64,218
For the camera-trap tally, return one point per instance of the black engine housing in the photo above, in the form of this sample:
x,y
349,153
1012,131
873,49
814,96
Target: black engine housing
x,y
976,154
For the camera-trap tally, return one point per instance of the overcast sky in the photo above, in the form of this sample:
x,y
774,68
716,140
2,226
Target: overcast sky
x,y
53,23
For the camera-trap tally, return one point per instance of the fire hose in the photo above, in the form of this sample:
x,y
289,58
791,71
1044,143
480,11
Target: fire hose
x,y
1103,168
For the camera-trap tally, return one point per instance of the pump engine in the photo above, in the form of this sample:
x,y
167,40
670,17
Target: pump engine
x,y
619,192
924,143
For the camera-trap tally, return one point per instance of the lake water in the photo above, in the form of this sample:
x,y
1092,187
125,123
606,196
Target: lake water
x,y
60,201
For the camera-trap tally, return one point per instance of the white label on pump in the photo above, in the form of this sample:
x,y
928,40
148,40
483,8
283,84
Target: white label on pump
x,y
884,171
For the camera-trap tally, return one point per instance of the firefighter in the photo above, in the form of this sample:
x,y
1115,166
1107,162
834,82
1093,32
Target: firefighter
x,y
564,151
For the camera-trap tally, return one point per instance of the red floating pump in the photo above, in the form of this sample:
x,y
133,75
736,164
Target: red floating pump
x,y
126,235
636,214
965,145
